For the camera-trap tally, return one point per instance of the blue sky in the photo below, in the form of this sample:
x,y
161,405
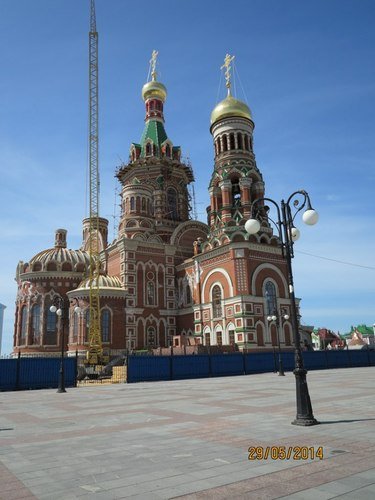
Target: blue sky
x,y
308,73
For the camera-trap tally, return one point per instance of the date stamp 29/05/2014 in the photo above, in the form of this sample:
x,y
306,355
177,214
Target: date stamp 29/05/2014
x,y
285,453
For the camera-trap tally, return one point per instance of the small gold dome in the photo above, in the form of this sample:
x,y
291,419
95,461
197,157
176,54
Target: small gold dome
x,y
230,107
105,281
154,89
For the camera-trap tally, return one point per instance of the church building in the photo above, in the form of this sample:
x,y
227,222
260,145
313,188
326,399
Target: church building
x,y
165,274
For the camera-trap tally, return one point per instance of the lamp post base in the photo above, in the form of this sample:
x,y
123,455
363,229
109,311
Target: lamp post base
x,y
61,386
305,415
281,367
305,422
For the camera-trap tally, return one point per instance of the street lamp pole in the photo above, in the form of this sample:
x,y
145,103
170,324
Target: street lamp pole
x,y
59,310
288,233
276,319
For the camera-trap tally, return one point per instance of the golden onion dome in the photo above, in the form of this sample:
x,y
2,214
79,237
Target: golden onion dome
x,y
230,107
154,89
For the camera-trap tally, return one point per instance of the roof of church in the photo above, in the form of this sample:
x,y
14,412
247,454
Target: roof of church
x,y
105,281
60,255
154,131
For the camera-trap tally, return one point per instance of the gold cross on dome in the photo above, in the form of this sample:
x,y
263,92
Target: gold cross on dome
x,y
228,59
154,56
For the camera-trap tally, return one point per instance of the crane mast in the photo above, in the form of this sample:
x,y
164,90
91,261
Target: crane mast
x,y
95,351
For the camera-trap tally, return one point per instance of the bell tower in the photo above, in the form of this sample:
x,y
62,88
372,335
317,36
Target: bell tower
x,y
154,195
236,181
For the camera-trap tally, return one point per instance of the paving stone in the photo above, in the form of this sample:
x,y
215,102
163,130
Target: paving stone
x,y
190,438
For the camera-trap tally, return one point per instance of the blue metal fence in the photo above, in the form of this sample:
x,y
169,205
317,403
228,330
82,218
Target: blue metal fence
x,y
144,368
259,362
227,364
195,366
315,360
35,373
39,373
148,368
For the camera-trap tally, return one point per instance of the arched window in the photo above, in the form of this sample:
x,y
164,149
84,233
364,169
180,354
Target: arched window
x,y
35,324
148,149
225,143
218,200
51,326
51,266
231,337
236,193
218,147
23,325
152,104
87,325
132,203
37,266
106,325
66,266
172,203
75,326
143,205
270,293
239,140
219,337
231,142
154,150
150,293
216,302
260,337
247,143
168,151
151,337
207,338
189,299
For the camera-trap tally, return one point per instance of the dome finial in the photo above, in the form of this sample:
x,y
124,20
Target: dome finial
x,y
229,107
153,89
154,56
227,60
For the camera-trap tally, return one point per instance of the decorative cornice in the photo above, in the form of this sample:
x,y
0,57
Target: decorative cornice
x,y
103,292
50,275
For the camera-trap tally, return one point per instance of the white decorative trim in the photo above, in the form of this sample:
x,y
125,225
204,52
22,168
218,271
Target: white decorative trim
x,y
276,270
226,276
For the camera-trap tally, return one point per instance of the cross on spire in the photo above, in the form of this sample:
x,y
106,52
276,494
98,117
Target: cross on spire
x,y
154,56
227,60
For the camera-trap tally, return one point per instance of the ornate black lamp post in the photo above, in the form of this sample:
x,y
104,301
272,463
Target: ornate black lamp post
x,y
58,307
275,317
287,235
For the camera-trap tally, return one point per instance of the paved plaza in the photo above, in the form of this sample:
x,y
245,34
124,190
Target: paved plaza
x,y
190,439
